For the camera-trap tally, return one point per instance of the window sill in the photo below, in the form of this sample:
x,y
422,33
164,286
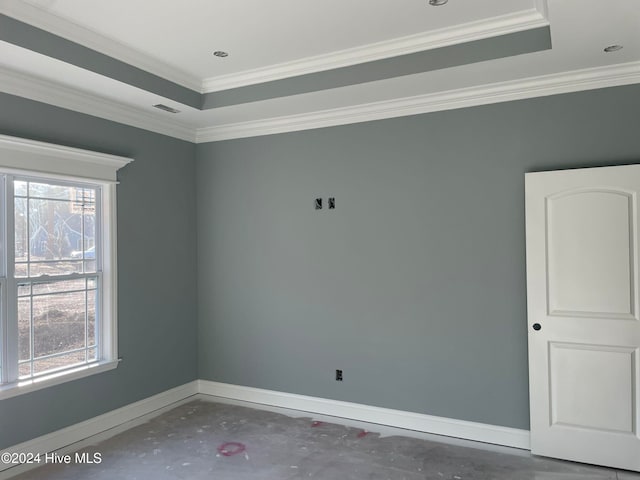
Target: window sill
x,y
27,386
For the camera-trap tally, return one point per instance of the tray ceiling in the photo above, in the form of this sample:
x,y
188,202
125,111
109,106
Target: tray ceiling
x,y
296,64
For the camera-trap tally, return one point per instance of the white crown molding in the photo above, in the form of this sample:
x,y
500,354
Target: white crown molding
x,y
33,15
510,437
28,155
542,7
41,90
553,84
49,152
468,32
97,429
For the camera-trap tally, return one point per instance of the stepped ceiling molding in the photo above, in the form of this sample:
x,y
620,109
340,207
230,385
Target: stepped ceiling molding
x,y
295,65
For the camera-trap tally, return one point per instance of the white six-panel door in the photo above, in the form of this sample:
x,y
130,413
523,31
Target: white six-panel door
x,y
583,314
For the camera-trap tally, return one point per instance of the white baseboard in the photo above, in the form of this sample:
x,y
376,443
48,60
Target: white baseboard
x,y
417,422
104,426
99,428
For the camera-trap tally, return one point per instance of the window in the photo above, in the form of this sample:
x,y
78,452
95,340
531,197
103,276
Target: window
x,y
57,264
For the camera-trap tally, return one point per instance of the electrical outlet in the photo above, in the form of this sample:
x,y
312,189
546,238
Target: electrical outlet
x,y
332,203
318,204
339,375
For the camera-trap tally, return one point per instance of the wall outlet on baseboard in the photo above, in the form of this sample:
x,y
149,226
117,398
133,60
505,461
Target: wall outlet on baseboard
x,y
339,375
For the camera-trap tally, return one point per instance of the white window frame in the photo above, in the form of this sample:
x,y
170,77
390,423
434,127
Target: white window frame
x,y
51,162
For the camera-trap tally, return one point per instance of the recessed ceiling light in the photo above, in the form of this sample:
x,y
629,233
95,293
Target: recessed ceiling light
x,y
220,53
613,48
437,3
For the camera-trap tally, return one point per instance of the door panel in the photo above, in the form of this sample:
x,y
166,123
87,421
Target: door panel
x,y
592,386
594,279
582,295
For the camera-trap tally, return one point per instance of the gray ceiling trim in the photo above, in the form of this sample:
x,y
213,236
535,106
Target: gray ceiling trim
x,y
507,91
53,93
26,36
518,43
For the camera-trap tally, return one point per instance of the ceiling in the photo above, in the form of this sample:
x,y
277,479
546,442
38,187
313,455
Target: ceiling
x,y
259,33
297,64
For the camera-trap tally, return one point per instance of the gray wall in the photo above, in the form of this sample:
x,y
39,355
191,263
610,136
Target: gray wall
x,y
415,284
156,269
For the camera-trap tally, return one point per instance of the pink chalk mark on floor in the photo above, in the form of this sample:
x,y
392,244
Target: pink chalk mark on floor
x,y
363,434
229,449
316,423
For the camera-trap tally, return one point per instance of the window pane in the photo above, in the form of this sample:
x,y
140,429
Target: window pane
x,y
40,288
62,361
58,323
53,230
89,253
85,198
92,355
20,188
24,370
91,318
46,190
24,328
54,268
21,270
21,230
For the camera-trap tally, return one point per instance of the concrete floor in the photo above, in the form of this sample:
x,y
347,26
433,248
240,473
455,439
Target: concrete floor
x,y
204,440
